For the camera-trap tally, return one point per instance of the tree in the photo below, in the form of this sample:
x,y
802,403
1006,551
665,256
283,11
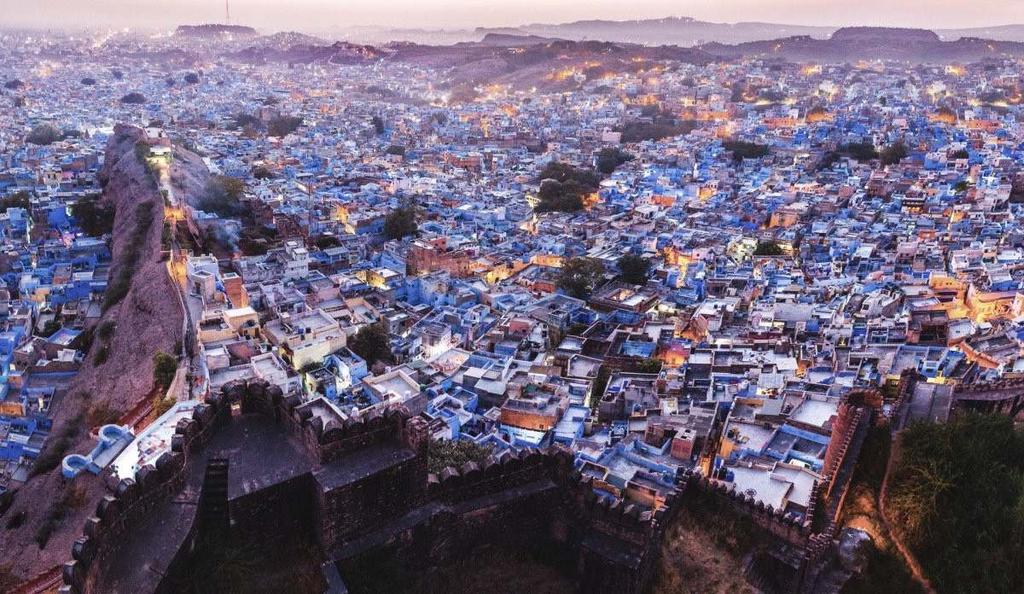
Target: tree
x,y
192,78
133,99
164,368
562,187
45,133
283,125
222,196
633,269
378,124
373,343
579,276
894,153
609,158
861,151
326,242
649,366
745,150
16,200
13,84
555,196
768,248
401,222
50,328
639,131
88,81
93,217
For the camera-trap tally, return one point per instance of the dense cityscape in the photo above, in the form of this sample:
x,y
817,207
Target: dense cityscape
x,y
281,313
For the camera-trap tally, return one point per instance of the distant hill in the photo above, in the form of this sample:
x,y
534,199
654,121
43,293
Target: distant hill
x,y
872,43
682,31
213,31
340,52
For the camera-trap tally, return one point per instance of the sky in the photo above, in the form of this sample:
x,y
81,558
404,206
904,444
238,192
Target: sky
x,y
320,15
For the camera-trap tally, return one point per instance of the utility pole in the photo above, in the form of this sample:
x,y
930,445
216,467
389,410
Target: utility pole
x,y
227,13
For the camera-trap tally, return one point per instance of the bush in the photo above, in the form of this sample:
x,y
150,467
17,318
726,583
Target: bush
x,y
88,81
162,405
101,414
83,342
72,497
192,78
56,447
50,328
43,134
13,84
129,256
164,368
957,496
861,151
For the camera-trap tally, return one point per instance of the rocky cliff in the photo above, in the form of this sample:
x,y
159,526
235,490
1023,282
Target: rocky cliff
x,y
146,318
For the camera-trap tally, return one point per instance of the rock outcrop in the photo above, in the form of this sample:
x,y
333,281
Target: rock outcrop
x,y
147,319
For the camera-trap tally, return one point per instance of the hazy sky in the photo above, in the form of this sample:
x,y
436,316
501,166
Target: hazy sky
x,y
325,14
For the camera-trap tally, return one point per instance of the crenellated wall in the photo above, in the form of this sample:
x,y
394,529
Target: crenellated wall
x,y
365,494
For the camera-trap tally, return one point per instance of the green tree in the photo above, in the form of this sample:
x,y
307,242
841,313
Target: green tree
x,y
373,343
401,222
768,248
50,327
93,217
609,158
956,496
894,153
164,368
633,269
579,277
745,150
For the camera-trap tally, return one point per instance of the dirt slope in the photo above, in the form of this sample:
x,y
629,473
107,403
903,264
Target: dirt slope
x,y
147,319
